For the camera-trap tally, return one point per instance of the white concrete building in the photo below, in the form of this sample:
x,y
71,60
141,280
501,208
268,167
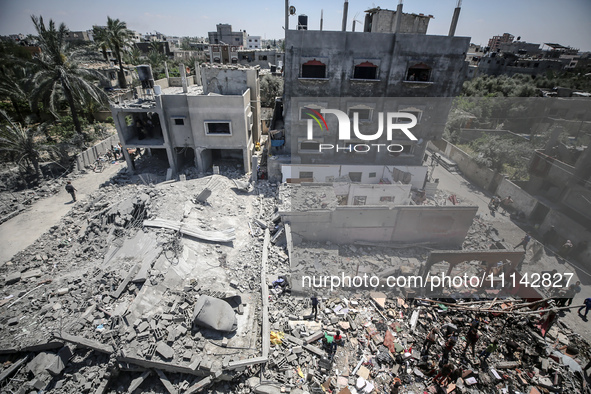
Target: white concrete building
x,y
253,42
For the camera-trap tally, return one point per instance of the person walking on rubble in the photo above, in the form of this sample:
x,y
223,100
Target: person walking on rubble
x,y
471,339
430,339
489,349
576,289
72,190
449,345
524,242
587,306
314,306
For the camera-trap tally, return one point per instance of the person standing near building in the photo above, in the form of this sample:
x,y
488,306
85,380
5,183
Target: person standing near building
x,y
72,190
524,242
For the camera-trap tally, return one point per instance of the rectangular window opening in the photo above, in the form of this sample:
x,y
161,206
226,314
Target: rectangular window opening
x,y
222,128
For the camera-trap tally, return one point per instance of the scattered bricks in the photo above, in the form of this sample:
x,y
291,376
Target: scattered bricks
x,y
240,309
131,336
181,330
13,321
179,318
187,355
167,316
292,358
297,350
314,350
225,342
151,350
12,278
142,336
143,326
234,284
159,334
545,364
314,337
164,350
171,336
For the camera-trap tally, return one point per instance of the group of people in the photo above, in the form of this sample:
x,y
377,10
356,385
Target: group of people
x,y
496,202
449,332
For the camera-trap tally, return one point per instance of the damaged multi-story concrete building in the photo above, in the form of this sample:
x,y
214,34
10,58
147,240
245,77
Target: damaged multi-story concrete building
x,y
195,120
389,67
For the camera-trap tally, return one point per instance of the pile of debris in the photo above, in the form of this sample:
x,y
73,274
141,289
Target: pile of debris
x,y
383,347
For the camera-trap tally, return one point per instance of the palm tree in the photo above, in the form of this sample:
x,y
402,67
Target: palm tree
x,y
100,38
58,72
118,37
21,142
13,84
133,56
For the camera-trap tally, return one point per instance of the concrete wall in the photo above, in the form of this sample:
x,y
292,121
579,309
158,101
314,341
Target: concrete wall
x,y
480,175
329,173
567,228
438,226
89,156
523,201
398,193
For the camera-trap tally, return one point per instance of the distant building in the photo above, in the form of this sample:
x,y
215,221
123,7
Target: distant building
x,y
196,120
495,42
254,42
77,36
223,54
264,58
225,35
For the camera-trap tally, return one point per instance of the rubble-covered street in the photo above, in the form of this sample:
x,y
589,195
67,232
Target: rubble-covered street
x,y
118,297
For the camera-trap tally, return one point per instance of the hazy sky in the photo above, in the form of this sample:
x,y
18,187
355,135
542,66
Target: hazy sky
x,y
562,21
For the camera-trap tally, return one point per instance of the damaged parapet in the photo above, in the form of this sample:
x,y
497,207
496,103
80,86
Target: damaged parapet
x,y
214,313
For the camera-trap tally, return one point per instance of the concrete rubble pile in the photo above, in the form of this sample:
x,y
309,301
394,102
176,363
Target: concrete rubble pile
x,y
383,344
100,296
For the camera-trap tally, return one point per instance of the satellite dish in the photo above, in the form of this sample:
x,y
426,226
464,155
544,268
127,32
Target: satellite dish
x,y
292,10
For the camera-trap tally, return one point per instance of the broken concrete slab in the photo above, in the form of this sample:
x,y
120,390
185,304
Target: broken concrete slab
x,y
84,342
135,383
213,236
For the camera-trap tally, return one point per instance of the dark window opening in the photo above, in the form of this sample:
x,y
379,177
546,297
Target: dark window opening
x,y
359,200
263,57
372,174
365,70
218,128
419,72
179,122
313,69
307,174
355,176
385,199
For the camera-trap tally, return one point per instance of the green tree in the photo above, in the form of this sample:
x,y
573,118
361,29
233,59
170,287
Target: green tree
x,y
118,38
271,87
21,143
58,72
133,56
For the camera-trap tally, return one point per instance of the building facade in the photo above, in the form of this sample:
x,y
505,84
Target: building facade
x,y
225,35
356,72
197,120
254,42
